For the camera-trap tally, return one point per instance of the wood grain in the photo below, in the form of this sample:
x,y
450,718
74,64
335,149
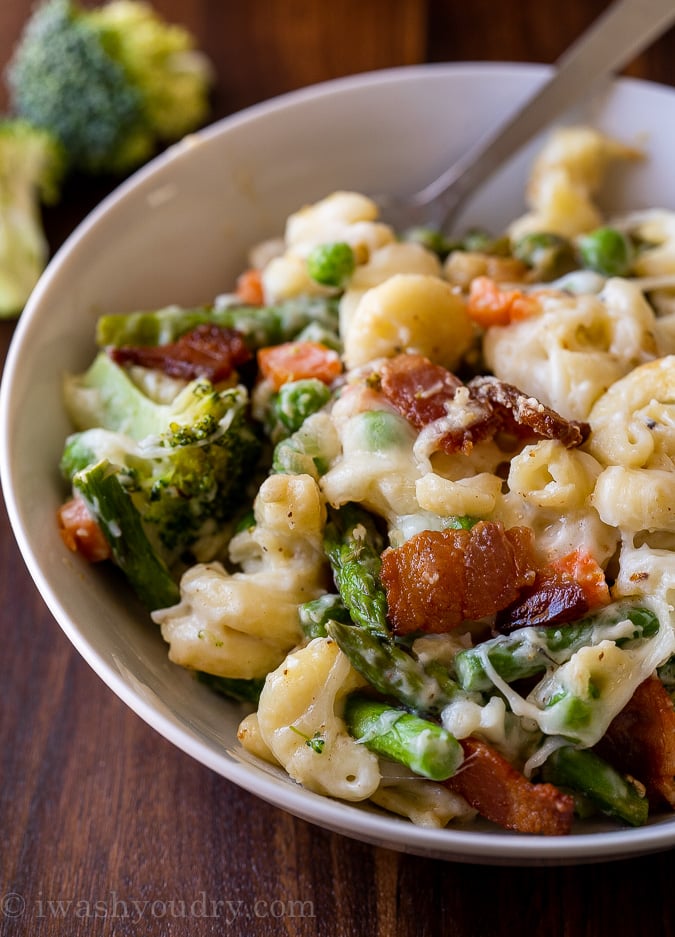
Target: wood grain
x,y
106,827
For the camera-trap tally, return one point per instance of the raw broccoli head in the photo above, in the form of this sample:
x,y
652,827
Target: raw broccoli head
x,y
111,83
31,168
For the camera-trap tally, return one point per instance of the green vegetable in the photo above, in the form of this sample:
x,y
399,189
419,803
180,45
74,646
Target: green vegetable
x,y
353,546
103,488
290,407
243,691
331,264
380,430
423,746
582,770
260,325
183,466
528,651
482,242
31,167
111,83
316,614
607,251
392,671
432,239
549,255
302,453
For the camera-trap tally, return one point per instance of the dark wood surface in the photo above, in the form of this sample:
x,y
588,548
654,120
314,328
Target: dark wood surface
x,y
108,829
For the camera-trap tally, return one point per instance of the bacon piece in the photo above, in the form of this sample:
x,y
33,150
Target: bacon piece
x,y
424,392
503,795
209,351
552,599
438,579
640,740
523,415
80,532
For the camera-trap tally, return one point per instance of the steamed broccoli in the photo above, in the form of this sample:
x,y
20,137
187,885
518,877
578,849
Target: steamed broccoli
x,y
182,467
111,82
31,167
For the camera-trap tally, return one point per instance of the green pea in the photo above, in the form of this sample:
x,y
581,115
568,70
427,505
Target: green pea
x,y
549,255
432,239
607,251
331,264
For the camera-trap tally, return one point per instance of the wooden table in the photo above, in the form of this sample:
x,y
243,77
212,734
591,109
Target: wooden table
x,y
108,829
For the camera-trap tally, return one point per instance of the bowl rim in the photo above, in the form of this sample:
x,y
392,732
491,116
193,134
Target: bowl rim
x,y
450,843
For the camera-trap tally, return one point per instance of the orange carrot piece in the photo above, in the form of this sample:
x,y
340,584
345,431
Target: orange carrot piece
x,y
489,305
296,361
588,573
249,287
503,795
80,532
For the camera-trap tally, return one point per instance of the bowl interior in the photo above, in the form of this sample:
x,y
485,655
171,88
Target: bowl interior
x,y
178,232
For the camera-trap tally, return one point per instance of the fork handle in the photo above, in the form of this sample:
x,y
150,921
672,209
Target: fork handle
x,y
612,41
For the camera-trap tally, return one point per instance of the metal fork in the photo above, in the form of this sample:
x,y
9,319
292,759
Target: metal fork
x,y
613,40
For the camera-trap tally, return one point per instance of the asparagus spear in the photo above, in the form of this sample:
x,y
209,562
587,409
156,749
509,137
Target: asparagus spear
x,y
315,615
392,671
529,651
260,325
582,770
353,546
423,746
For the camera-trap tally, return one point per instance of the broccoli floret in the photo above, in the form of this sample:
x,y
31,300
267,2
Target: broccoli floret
x,y
112,83
181,482
31,168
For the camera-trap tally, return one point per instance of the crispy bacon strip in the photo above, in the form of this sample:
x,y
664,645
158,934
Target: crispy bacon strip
x,y
424,392
209,351
562,591
521,413
503,795
552,599
438,579
640,740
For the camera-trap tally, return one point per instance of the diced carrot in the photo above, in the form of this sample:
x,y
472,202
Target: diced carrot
x,y
588,573
80,532
295,361
249,287
502,794
490,305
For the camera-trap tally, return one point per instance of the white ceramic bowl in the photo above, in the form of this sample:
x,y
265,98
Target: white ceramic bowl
x,y
178,231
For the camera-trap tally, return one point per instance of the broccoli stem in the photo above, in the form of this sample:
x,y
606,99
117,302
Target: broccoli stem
x,y
423,746
392,671
113,509
529,651
353,546
260,325
584,771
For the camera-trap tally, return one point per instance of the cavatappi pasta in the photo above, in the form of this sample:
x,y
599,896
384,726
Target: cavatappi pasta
x,y
454,596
